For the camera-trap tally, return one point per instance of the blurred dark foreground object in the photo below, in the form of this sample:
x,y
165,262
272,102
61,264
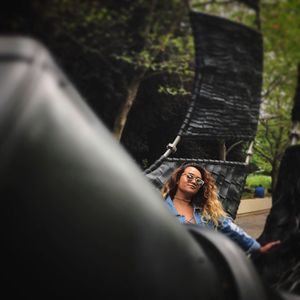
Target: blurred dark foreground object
x,y
280,267
79,218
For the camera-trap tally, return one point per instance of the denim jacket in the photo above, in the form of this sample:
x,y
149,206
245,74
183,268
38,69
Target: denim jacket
x,y
226,226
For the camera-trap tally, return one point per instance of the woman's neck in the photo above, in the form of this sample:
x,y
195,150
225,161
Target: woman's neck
x,y
182,199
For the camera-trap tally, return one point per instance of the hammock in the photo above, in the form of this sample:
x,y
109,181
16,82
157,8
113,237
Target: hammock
x,y
225,101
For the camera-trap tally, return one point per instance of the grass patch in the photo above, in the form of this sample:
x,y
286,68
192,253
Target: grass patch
x,y
254,180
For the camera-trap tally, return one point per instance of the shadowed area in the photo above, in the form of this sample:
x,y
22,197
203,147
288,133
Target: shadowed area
x,y
280,267
79,219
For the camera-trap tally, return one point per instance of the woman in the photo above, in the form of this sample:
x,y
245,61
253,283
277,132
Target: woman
x,y
191,195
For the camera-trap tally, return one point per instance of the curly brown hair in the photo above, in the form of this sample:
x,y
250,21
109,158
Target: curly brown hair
x,y
207,196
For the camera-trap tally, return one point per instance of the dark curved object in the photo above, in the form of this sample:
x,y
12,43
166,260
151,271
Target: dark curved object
x,y
234,270
230,178
227,87
79,219
280,268
284,218
296,106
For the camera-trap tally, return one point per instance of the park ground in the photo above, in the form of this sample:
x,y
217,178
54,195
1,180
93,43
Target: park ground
x,y
252,215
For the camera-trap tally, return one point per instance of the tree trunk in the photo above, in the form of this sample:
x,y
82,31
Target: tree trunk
x,y
121,119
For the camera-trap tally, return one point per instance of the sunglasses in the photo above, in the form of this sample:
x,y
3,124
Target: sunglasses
x,y
190,177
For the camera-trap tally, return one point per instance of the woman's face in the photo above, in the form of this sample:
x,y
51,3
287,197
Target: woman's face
x,y
190,181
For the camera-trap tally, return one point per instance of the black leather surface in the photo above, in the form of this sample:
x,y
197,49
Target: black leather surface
x,y
78,217
233,269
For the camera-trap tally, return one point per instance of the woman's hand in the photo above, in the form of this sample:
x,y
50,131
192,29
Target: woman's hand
x,y
265,248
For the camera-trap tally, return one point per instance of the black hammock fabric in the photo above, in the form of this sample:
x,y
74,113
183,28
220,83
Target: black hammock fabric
x,y
227,87
230,178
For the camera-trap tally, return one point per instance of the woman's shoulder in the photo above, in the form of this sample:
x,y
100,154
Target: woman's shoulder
x,y
168,199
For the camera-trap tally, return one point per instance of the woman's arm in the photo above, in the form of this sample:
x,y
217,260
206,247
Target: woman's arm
x,y
243,239
238,235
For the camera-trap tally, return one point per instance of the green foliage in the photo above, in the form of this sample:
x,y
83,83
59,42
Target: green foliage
x,y
254,180
281,30
173,90
130,41
261,163
140,36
